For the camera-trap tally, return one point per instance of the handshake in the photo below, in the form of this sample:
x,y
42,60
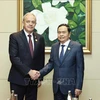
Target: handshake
x,y
34,74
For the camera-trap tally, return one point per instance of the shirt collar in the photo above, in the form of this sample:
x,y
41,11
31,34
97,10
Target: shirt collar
x,y
66,43
27,33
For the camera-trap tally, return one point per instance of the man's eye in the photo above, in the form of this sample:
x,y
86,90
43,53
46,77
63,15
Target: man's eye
x,y
27,21
61,32
33,22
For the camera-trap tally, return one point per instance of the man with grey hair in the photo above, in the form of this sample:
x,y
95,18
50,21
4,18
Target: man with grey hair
x,y
26,52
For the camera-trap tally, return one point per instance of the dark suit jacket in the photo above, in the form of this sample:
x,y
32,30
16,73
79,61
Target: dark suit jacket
x,y
68,74
21,59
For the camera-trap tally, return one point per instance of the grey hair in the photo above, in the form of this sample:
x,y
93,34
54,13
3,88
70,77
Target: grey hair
x,y
28,14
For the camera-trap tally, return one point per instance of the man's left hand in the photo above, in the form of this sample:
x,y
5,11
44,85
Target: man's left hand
x,y
77,92
39,83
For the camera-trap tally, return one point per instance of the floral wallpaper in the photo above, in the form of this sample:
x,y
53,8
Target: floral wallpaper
x,y
51,13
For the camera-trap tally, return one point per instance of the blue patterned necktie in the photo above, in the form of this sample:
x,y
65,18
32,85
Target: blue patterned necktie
x,y
62,53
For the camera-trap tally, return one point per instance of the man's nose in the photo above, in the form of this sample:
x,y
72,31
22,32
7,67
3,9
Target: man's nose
x,y
31,23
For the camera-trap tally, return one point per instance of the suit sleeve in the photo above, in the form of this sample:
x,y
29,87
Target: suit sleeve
x,y
49,66
42,56
80,68
14,58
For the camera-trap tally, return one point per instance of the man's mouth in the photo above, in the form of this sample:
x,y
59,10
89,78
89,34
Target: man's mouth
x,y
61,37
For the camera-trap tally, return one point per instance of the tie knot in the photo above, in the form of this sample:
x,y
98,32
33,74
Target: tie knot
x,y
62,46
29,36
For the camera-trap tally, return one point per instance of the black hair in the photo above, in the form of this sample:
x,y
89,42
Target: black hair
x,y
69,30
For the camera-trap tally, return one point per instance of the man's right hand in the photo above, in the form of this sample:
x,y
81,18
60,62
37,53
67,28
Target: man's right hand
x,y
34,74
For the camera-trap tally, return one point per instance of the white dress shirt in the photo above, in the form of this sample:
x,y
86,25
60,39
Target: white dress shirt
x,y
28,37
65,47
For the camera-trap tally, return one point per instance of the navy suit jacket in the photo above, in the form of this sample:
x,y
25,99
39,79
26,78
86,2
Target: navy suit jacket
x,y
68,74
20,57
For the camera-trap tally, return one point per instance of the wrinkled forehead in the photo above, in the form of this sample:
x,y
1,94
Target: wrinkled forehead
x,y
29,15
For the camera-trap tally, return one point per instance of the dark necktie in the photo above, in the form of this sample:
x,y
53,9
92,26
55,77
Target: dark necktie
x,y
62,53
30,45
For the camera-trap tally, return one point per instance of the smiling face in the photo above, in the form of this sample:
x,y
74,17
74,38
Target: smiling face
x,y
29,22
63,33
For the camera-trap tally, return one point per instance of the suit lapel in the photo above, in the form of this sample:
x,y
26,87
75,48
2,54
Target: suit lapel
x,y
57,53
22,35
68,50
35,38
